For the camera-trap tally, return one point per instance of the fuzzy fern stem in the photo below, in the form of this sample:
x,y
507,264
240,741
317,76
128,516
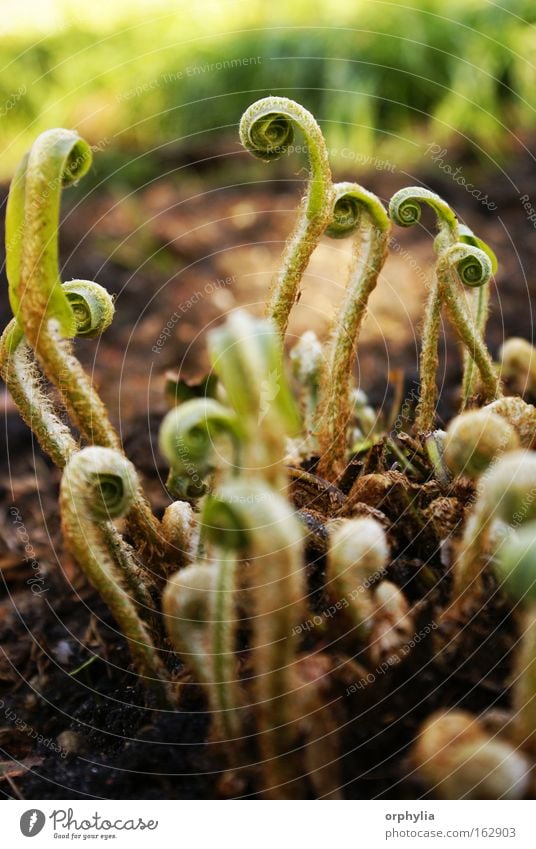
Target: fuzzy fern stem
x,y
267,131
98,486
360,212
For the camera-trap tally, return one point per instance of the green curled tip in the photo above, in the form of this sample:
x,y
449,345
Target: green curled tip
x,y
467,236
472,265
267,127
405,209
187,440
266,132
57,159
350,201
103,483
92,306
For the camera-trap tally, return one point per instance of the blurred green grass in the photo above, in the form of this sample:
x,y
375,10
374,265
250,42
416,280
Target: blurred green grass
x,y
383,78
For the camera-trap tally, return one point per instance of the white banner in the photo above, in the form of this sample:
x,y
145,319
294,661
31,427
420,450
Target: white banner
x,y
256,825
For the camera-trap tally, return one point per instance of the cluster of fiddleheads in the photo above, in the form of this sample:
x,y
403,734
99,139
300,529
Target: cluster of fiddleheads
x,y
267,485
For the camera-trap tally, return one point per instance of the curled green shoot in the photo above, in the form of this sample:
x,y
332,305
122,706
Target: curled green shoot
x,y
355,211
98,486
49,313
247,356
249,517
405,209
24,380
92,307
192,438
199,609
469,266
480,309
266,130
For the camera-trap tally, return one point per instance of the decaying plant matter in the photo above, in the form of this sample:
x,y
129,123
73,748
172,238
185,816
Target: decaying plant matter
x,y
295,571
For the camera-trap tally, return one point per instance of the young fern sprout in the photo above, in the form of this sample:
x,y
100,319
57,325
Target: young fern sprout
x,y
507,492
520,415
38,300
25,383
41,305
92,306
357,558
405,210
93,314
480,310
518,364
355,212
267,130
98,486
468,266
192,441
198,605
458,759
475,439
515,567
249,517
306,358
247,356
181,530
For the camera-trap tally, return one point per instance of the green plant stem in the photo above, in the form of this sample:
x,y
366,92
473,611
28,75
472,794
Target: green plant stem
x,y
429,361
405,210
469,334
224,637
525,683
41,306
369,254
21,375
201,622
97,483
266,130
252,517
469,375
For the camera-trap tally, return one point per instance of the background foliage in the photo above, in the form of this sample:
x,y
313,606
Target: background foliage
x,y
383,78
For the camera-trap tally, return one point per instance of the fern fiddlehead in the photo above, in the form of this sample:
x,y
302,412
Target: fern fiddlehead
x,y
405,209
192,439
480,309
267,131
98,486
43,308
250,517
247,356
355,211
472,267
